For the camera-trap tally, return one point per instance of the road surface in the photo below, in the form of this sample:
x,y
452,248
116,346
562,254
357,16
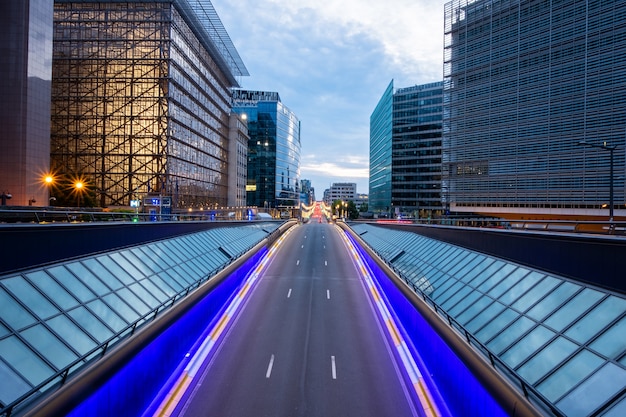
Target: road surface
x,y
306,342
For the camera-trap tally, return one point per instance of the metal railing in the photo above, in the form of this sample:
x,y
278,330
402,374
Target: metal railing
x,y
51,215
529,392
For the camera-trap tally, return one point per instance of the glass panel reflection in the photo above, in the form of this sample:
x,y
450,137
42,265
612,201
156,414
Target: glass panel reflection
x,y
27,294
547,359
597,319
49,346
53,289
24,360
612,343
91,324
569,375
12,312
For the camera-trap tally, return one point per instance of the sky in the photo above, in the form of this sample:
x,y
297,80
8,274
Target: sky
x,y
330,62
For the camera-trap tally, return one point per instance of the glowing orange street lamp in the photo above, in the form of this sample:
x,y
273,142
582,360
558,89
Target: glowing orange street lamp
x,y
79,186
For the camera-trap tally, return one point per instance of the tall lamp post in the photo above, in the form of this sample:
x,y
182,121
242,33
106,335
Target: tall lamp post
x,y
609,148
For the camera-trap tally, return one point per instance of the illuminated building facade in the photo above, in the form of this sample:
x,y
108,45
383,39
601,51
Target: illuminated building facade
x,y
273,150
524,83
141,99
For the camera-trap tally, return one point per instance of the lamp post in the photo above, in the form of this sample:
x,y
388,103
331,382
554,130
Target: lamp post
x,y
609,148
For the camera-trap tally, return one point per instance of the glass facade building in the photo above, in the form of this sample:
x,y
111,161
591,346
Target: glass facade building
x,y
380,153
524,82
564,340
25,83
416,150
273,150
141,98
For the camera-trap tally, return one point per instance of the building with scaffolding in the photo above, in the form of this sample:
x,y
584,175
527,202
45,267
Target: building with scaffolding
x,y
141,100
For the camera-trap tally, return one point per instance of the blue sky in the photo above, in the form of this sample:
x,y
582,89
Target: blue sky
x,y
330,62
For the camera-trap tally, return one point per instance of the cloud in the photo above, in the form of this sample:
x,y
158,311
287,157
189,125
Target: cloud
x,y
330,62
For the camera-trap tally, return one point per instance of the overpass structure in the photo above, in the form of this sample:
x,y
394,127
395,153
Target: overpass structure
x,y
114,328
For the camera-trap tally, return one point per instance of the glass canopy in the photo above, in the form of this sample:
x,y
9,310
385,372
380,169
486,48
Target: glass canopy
x,y
564,338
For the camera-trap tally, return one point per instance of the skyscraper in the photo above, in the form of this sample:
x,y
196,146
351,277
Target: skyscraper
x,y
141,99
380,153
524,83
273,150
26,48
405,151
416,150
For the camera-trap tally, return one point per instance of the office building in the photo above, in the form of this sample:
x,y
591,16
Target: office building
x,y
344,191
307,192
380,153
273,150
141,99
416,150
237,160
405,151
26,47
524,83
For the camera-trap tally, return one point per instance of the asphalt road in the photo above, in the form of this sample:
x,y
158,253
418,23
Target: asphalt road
x,y
306,343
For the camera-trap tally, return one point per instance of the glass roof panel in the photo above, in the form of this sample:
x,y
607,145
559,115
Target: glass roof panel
x,y
89,279
465,302
119,272
507,283
594,391
569,375
12,385
144,295
484,263
547,359
488,272
510,334
71,283
553,300
127,266
107,315
612,342
134,301
474,308
520,287
24,360
49,346
527,345
12,312
495,279
104,274
122,308
142,264
154,290
597,319
618,410
486,316
72,334
496,325
527,300
27,294
90,323
574,308
47,285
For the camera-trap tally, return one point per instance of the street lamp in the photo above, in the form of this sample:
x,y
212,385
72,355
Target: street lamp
x,y
609,148
78,185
